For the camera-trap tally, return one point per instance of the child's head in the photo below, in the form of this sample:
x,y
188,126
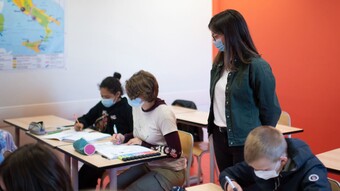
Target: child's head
x,y
265,150
34,167
110,90
142,85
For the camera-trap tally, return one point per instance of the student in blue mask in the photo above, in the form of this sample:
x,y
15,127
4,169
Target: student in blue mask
x,y
242,88
111,115
154,127
275,163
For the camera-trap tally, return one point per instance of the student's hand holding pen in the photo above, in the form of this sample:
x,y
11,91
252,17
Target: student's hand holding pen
x,y
78,126
232,185
117,139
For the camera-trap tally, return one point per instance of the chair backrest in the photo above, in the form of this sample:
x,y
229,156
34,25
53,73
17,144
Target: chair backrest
x,y
187,143
185,103
285,119
335,185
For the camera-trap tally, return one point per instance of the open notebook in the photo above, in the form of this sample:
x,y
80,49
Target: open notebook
x,y
123,152
72,135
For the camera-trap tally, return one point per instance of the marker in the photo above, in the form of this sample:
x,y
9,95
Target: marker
x,y
231,183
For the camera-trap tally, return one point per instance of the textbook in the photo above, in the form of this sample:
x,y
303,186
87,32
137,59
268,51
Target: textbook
x,y
72,135
123,152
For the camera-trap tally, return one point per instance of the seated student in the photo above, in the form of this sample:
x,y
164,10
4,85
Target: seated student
x,y
7,144
275,163
33,167
154,126
112,113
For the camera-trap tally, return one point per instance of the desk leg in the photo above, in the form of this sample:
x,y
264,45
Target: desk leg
x,y
75,174
212,159
113,179
17,136
67,164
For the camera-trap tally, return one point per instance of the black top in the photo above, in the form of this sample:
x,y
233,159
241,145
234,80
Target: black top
x,y
102,118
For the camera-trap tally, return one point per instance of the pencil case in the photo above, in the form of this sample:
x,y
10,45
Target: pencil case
x,y
83,147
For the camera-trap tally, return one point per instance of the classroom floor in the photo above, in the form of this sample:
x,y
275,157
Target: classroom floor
x,y
205,168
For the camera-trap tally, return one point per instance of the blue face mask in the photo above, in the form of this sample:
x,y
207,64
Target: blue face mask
x,y
219,44
135,102
107,102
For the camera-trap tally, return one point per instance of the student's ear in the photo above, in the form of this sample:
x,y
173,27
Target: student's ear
x,y
284,160
118,94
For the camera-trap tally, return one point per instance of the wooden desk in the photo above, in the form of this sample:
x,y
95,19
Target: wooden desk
x,y
205,187
331,159
98,161
194,118
23,123
178,109
287,130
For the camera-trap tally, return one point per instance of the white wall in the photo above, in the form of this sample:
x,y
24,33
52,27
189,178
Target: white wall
x,y
169,38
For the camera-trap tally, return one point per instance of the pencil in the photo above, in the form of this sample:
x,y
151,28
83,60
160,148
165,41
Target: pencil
x,y
76,118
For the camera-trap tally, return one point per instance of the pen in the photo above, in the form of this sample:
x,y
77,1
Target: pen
x,y
76,118
231,183
115,129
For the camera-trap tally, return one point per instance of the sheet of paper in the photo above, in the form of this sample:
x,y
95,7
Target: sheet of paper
x,y
72,135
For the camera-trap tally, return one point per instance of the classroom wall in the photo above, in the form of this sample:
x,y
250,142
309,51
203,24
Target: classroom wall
x,y
168,38
300,40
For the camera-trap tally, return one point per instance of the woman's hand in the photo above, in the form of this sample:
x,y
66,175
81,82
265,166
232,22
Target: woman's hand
x,y
134,141
117,139
78,126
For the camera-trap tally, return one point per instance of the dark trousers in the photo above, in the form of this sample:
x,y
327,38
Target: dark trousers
x,y
88,177
225,156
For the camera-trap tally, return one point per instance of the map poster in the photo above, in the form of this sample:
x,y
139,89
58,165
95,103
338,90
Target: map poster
x,y
31,34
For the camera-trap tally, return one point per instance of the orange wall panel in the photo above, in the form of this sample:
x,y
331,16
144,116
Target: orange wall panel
x,y
300,40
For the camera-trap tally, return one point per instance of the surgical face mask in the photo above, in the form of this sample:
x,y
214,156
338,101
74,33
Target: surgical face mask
x,y
219,44
107,102
267,174
135,102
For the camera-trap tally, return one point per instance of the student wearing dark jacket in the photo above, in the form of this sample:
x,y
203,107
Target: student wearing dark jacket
x,y
242,88
111,115
275,163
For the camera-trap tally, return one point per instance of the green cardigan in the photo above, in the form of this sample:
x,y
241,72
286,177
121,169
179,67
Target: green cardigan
x,y
251,99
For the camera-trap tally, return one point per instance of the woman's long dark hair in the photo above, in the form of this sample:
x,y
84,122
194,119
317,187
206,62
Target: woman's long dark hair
x,y
34,167
238,42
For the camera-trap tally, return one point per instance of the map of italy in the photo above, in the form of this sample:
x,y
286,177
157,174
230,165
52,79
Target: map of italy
x,y
29,9
31,34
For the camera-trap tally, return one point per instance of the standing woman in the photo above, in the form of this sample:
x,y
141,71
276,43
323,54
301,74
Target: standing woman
x,y
242,88
154,126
